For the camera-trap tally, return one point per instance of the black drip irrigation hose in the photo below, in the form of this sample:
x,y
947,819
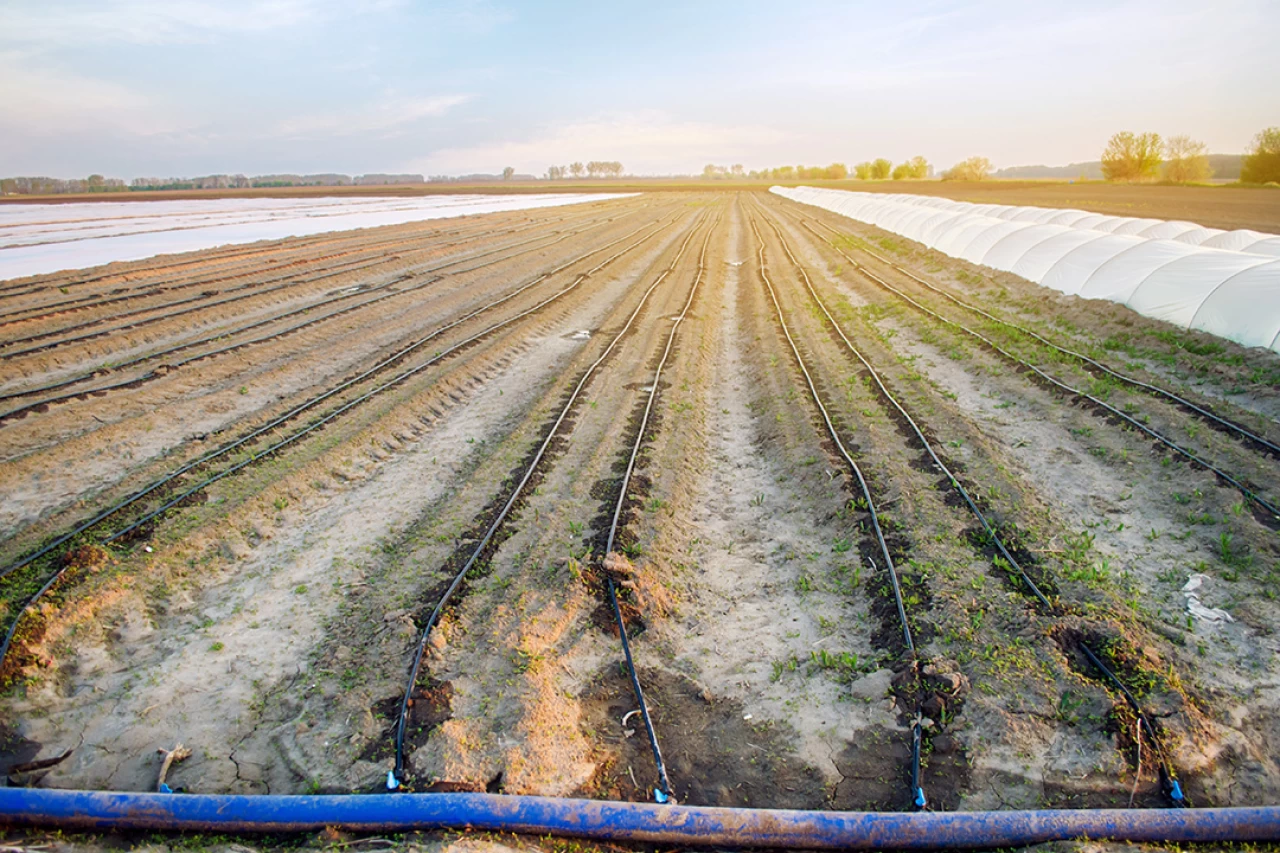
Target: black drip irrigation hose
x,y
135,381
915,428
1223,475
917,793
342,268
1168,779
396,380
1225,423
147,321
396,777
306,309
663,793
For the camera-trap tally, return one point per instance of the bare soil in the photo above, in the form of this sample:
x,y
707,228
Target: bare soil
x,y
268,621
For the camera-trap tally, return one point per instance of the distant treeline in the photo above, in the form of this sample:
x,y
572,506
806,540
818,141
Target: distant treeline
x,y
834,172
1224,166
99,184
480,178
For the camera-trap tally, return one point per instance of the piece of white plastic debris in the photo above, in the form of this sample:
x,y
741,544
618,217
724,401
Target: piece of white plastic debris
x,y
1207,614
746,716
392,781
147,548
1212,615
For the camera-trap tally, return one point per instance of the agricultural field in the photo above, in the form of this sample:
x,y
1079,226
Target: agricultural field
x,y
1226,207
332,507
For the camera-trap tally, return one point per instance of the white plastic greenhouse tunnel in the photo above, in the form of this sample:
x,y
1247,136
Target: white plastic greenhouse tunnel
x,y
1226,283
41,238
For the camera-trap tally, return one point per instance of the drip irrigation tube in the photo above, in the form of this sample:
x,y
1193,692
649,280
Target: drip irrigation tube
x,y
1168,780
288,282
1226,423
917,792
663,793
604,820
396,777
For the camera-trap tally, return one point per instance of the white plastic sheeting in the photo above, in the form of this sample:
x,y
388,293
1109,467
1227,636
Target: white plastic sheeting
x,y
1223,282
44,238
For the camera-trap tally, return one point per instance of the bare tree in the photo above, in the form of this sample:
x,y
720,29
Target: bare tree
x,y
737,169
1132,157
973,169
507,173
576,169
1186,160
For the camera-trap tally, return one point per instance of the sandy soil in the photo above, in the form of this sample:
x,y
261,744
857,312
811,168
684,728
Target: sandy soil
x,y
268,622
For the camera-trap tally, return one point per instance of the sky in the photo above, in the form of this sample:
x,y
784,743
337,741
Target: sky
x,y
134,88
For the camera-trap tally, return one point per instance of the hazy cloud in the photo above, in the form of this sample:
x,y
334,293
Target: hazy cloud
x,y
41,99
389,115
645,142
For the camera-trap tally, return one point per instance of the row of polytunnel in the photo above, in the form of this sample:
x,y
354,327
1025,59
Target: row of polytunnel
x,y
1223,282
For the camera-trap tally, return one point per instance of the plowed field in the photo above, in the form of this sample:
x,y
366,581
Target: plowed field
x,y
858,534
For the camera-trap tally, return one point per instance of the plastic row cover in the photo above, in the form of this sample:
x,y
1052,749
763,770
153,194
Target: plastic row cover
x,y
1223,282
45,238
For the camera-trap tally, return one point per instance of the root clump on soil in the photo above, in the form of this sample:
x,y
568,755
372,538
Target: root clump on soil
x,y
645,596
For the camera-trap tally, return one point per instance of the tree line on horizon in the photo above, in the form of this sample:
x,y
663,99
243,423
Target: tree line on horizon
x,y
592,169
1128,157
917,168
1144,157
40,185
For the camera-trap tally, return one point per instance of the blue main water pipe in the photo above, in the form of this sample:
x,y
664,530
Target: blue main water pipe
x,y
618,821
